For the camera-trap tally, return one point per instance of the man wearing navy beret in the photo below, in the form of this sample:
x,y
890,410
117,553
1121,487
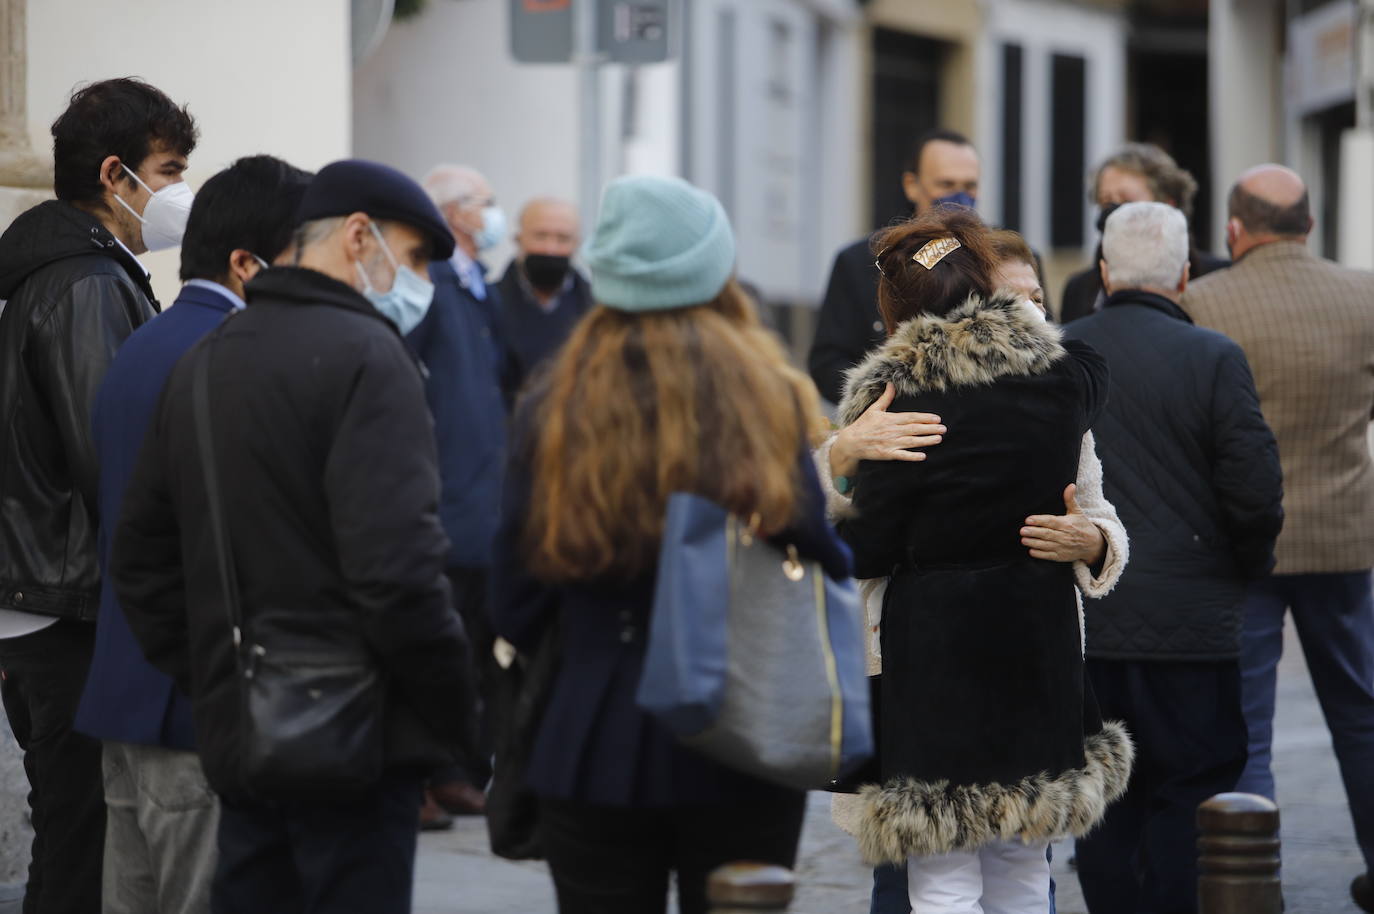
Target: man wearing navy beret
x,y
325,458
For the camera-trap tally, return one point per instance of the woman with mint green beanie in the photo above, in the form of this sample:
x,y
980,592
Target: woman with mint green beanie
x,y
669,384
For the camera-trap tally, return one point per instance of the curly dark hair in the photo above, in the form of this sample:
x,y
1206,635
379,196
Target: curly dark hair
x,y
250,205
124,117
906,288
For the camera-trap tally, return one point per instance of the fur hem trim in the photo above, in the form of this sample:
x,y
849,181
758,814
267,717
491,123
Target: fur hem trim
x,y
974,344
913,818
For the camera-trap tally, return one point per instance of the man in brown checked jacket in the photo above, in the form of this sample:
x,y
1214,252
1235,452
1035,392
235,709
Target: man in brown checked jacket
x,y
1307,328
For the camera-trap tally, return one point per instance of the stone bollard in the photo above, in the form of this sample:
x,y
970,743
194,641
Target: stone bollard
x,y
744,888
1238,860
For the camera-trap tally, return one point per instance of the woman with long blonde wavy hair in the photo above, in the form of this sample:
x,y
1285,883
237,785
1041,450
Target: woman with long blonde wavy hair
x,y
669,385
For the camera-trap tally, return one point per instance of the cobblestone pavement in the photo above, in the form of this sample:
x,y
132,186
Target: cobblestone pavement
x,y
456,874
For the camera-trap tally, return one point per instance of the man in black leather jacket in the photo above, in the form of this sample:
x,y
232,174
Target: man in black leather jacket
x,y
72,292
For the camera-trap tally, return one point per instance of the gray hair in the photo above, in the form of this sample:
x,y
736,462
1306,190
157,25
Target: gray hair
x,y
313,232
447,184
1145,246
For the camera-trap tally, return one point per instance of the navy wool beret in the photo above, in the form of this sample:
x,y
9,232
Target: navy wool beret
x,y
358,186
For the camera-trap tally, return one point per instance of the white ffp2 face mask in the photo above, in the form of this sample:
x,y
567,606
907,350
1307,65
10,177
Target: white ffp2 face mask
x,y
1033,311
165,215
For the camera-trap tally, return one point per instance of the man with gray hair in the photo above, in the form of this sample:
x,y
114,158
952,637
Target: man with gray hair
x,y
1136,172
461,344
1307,327
1194,472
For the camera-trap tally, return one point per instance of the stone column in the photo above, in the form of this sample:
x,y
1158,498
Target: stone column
x,y
1245,72
19,167
25,180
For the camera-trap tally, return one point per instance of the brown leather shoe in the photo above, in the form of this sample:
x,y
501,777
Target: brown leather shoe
x,y
460,798
432,815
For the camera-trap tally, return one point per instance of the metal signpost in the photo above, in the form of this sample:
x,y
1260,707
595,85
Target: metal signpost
x,y
587,34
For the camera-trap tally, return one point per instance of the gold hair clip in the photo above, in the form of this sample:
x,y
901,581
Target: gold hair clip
x,y
935,251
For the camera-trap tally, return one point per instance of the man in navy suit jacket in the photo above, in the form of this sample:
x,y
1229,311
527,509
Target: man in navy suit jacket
x,y
460,343
161,814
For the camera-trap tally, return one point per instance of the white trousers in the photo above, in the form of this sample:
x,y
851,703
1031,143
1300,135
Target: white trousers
x,y
1005,877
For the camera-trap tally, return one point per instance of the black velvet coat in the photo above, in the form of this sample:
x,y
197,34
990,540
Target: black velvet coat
x,y
986,734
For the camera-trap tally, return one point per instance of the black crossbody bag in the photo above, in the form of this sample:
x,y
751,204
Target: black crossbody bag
x,y
310,695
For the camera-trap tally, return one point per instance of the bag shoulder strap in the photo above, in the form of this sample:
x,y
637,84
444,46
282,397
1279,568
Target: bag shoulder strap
x,y
205,441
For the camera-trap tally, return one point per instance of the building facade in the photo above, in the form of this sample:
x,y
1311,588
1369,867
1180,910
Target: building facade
x,y
798,114
1293,82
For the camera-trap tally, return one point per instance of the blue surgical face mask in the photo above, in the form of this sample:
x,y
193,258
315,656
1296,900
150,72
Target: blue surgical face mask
x,y
493,230
959,199
407,302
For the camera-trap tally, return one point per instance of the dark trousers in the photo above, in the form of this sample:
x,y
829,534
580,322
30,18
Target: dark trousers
x,y
469,586
615,860
1334,616
1190,741
44,674
353,853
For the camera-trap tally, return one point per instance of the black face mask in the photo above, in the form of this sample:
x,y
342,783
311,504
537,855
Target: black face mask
x,y
546,272
1102,213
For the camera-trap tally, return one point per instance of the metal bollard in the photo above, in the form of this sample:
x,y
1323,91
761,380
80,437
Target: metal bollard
x,y
744,888
1238,860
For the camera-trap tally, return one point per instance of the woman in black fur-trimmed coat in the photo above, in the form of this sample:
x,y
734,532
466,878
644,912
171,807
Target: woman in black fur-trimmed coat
x,y
989,749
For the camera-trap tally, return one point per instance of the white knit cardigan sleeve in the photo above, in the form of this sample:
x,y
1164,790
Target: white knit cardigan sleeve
x,y
1094,505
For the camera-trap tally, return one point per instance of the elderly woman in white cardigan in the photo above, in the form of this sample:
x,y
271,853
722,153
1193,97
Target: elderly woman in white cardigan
x,y
1089,534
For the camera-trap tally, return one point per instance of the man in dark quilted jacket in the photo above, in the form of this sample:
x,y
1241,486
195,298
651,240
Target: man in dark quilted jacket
x,y
1193,469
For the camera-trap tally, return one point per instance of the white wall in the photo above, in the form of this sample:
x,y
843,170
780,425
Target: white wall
x,y
443,87
260,76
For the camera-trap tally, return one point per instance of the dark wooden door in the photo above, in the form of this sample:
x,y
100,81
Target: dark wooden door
x,y
906,103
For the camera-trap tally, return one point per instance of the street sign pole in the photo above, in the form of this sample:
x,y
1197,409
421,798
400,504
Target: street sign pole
x,y
587,58
588,34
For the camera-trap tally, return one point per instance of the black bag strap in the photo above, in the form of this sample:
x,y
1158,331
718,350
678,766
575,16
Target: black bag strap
x,y
205,440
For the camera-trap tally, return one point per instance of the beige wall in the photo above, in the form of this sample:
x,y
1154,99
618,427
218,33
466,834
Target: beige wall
x,y
958,22
1245,71
259,76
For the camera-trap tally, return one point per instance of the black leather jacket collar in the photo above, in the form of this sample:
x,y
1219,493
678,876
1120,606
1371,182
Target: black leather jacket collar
x,y
56,230
73,295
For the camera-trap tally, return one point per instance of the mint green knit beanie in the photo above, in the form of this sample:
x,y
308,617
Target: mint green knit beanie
x,y
659,243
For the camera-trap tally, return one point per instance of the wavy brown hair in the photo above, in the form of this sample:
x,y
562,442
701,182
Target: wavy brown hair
x,y
638,406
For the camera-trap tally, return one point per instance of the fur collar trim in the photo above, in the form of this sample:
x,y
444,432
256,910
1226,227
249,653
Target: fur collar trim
x,y
976,343
908,817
